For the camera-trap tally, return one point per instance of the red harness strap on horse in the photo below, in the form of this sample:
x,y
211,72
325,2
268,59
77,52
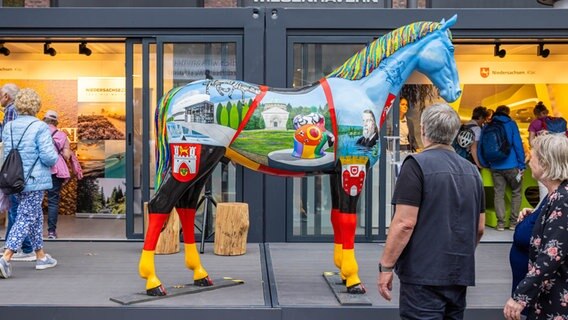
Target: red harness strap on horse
x,y
386,108
329,98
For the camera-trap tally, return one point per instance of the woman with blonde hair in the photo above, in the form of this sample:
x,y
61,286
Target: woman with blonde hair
x,y
34,142
544,289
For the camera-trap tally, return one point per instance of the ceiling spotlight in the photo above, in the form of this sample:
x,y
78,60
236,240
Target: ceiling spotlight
x,y
84,50
48,50
3,50
497,52
541,51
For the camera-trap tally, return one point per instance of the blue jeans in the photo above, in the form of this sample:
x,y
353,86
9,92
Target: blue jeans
x,y
53,203
12,213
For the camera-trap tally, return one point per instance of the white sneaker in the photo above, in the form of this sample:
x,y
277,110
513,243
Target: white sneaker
x,y
20,256
5,269
46,262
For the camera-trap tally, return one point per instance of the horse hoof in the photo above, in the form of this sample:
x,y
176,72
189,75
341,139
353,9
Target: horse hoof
x,y
157,291
205,282
357,289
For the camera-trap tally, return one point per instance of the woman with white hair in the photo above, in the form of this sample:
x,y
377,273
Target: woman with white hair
x,y
544,290
38,155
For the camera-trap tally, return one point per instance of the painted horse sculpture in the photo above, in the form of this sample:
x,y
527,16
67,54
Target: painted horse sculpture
x,y
290,132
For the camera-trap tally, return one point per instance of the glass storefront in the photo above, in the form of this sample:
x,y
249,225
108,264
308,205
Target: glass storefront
x,y
88,92
519,80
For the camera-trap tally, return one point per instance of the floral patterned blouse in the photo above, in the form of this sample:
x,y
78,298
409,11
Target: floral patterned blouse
x,y
544,290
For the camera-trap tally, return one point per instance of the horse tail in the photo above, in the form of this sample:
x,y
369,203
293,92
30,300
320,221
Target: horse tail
x,y
161,151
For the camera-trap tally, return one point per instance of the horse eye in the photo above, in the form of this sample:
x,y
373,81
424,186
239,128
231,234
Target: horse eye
x,y
452,49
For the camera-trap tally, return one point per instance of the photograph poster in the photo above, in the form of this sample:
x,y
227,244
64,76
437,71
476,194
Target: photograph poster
x,y
101,148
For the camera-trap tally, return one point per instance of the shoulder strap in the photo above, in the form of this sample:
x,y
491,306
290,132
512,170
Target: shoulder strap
x,y
543,122
23,134
58,149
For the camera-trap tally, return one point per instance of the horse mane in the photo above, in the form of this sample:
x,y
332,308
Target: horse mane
x,y
161,150
368,59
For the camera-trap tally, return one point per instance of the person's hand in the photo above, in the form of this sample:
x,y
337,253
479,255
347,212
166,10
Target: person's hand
x,y
524,213
79,175
512,310
384,283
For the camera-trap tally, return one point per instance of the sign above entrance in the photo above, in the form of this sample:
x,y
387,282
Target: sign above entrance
x,y
91,89
316,3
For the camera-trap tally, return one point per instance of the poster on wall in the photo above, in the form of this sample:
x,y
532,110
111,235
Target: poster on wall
x,y
61,96
101,129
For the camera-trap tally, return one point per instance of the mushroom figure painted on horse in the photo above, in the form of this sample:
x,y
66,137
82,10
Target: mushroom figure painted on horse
x,y
309,131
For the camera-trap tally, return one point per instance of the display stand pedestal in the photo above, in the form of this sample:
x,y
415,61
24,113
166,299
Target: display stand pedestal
x,y
231,229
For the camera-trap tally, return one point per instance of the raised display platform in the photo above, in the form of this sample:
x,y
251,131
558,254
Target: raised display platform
x,y
282,281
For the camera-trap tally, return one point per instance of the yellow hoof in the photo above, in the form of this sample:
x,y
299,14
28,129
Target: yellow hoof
x,y
353,280
199,273
152,283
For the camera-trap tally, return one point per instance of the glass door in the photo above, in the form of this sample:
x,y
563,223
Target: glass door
x,y
309,217
180,61
141,99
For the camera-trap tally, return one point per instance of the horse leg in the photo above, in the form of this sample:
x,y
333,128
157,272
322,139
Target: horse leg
x,y
335,223
186,207
159,209
353,171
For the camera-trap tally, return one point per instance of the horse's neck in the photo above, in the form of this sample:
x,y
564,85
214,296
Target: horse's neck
x,y
391,75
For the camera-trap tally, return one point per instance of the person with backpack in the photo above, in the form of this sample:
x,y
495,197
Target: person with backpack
x,y
467,139
32,139
543,124
7,96
59,172
501,150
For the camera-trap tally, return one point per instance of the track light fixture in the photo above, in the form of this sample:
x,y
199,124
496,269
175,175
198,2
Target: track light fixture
x,y
498,52
48,50
3,50
541,51
84,50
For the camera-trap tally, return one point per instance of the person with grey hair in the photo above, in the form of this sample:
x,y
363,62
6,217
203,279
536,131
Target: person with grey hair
x,y
438,222
544,289
7,95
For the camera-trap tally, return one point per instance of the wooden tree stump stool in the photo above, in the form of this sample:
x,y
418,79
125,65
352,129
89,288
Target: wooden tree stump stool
x,y
168,242
231,229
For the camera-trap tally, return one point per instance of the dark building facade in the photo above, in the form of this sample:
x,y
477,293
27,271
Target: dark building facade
x,y
139,53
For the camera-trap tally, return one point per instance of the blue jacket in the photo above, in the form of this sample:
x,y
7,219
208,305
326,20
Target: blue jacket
x,y
516,158
37,142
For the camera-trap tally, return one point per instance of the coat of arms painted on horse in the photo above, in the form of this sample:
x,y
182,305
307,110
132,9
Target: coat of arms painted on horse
x,y
330,127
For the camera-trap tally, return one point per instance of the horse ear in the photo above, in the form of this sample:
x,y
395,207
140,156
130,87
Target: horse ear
x,y
448,24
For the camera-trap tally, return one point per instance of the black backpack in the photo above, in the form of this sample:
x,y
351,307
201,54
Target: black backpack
x,y
463,141
12,179
493,142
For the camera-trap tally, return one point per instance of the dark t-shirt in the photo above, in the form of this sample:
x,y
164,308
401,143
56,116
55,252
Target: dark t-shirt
x,y
411,194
